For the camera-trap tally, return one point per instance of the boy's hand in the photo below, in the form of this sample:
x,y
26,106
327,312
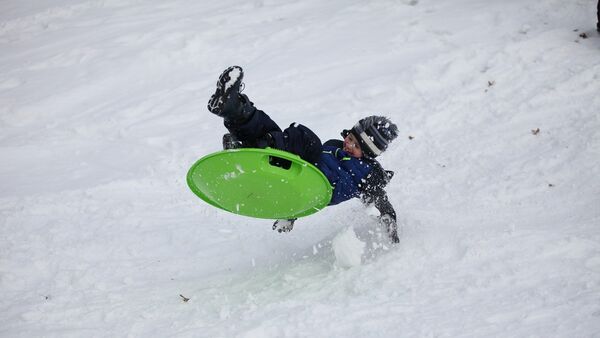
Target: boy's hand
x,y
284,225
391,227
340,154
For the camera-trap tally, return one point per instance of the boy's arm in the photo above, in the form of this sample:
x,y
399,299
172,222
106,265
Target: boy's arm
x,y
381,202
376,195
334,143
373,193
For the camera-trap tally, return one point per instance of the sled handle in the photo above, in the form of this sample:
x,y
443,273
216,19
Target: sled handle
x,y
285,166
280,162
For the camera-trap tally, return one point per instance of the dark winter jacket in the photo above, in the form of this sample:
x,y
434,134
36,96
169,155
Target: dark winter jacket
x,y
355,177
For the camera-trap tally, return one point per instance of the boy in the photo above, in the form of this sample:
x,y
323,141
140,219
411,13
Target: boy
x,y
349,165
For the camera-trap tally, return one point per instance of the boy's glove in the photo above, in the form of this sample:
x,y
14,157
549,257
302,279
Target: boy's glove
x,y
284,225
341,154
391,227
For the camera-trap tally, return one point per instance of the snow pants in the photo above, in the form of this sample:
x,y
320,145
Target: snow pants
x,y
261,131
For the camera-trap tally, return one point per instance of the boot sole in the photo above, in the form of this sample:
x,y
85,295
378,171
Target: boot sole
x,y
229,79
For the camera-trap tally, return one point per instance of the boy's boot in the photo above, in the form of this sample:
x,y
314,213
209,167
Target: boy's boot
x,y
226,101
231,142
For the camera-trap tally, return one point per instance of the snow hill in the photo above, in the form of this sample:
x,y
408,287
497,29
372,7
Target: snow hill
x,y
103,110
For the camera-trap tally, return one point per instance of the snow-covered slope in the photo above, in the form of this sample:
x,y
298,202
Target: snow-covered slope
x,y
103,110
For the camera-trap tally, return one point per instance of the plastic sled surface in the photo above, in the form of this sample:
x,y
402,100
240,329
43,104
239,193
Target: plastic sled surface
x,y
261,183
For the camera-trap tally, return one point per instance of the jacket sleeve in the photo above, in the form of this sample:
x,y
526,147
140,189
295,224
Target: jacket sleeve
x,y
334,143
372,191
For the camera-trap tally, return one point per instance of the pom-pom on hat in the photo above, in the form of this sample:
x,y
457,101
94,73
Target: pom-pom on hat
x,y
374,133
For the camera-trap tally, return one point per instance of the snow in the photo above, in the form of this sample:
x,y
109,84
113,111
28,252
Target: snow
x,y
103,110
235,75
347,248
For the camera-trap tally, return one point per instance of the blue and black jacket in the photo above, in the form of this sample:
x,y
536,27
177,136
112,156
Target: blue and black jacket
x,y
352,177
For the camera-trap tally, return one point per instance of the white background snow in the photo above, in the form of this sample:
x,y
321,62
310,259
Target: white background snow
x,y
103,110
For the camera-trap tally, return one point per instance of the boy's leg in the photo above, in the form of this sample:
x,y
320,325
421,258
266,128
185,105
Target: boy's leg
x,y
245,123
253,127
299,140
255,130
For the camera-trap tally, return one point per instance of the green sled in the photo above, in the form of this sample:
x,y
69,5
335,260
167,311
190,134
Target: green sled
x,y
261,183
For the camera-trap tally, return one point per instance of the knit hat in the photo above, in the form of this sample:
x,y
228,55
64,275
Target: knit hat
x,y
374,133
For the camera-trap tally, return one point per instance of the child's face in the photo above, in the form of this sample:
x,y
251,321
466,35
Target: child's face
x,y
352,146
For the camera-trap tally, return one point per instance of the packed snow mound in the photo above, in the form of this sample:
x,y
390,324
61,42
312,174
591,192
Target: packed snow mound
x,y
348,249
